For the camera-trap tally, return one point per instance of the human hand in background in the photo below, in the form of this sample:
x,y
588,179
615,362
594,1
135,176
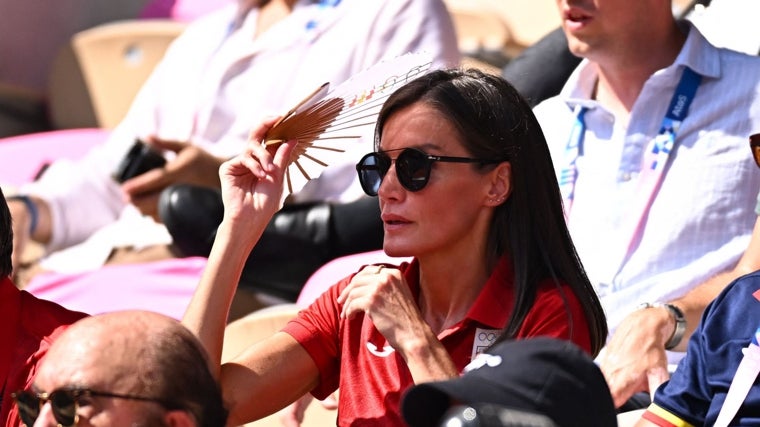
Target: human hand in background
x,y
192,165
635,360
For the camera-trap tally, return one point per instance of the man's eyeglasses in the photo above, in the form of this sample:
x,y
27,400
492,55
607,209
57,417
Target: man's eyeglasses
x,y
754,145
412,168
65,402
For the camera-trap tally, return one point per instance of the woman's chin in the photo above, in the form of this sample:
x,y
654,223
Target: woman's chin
x,y
397,249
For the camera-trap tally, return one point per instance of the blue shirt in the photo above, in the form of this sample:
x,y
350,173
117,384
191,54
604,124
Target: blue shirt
x,y
697,389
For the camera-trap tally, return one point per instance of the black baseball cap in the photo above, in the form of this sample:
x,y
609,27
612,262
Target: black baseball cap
x,y
541,375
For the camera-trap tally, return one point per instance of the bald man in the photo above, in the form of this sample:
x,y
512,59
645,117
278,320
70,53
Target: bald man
x,y
129,368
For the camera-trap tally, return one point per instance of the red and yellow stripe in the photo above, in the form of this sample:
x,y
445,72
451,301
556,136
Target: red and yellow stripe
x,y
661,417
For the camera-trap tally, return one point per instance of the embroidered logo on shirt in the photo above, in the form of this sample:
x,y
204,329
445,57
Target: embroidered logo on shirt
x,y
385,352
483,359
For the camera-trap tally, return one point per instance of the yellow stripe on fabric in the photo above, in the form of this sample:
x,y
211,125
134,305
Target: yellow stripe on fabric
x,y
667,416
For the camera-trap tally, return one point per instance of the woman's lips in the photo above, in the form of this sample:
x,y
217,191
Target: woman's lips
x,y
393,221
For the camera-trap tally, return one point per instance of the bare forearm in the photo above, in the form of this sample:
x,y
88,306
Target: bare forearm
x,y
428,360
693,304
208,310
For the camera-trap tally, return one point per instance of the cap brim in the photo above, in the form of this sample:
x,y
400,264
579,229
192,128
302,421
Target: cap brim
x,y
424,404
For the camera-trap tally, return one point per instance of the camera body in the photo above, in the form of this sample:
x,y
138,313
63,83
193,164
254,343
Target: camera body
x,y
140,158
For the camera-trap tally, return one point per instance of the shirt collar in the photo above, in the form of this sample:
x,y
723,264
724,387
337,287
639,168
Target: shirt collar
x,y
697,53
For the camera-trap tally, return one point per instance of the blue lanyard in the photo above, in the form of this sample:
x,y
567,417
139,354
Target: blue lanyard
x,y
574,149
323,4
662,144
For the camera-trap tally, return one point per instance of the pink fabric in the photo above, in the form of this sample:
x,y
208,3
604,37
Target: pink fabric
x,y
21,157
162,286
330,273
182,10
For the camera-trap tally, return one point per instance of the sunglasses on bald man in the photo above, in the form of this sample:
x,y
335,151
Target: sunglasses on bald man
x,y
65,402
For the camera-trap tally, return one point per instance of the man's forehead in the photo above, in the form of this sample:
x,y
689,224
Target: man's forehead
x,y
82,364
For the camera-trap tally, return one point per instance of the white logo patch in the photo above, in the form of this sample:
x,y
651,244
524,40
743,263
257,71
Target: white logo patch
x,y
385,352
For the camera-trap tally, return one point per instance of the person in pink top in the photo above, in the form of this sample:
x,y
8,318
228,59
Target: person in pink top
x,y
465,187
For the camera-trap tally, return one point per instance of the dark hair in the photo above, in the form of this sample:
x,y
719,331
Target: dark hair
x,y
178,373
495,122
6,238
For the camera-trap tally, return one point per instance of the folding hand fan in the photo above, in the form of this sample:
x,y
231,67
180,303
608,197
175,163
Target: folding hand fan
x,y
340,116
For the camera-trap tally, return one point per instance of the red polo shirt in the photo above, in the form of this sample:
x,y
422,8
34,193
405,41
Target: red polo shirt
x,y
27,330
353,355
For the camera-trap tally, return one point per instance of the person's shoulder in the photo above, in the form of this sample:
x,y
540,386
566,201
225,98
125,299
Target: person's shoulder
x,y
743,287
42,319
738,303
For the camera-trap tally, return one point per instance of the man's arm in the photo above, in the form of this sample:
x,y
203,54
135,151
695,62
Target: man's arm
x,y
635,360
694,302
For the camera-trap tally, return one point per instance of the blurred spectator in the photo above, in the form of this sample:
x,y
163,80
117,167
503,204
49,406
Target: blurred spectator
x,y
222,73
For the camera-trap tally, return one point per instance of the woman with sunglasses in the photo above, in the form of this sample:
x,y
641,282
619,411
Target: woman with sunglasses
x,y
466,186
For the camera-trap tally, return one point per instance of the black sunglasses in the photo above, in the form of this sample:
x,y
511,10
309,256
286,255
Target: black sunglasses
x,y
65,402
412,168
754,145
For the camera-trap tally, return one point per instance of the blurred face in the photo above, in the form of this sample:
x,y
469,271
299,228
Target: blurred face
x,y
449,213
81,367
598,27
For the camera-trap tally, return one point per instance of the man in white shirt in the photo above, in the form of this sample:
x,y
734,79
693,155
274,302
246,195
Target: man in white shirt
x,y
653,162
244,62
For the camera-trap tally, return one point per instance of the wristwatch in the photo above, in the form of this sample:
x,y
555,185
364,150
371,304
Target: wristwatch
x,y
678,316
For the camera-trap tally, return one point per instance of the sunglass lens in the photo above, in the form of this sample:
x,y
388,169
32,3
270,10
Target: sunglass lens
x,y
413,169
372,168
754,143
28,407
64,407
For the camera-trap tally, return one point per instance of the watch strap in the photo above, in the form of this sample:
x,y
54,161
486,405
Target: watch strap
x,y
678,316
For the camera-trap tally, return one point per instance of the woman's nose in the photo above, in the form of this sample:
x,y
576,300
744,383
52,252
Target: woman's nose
x,y
390,186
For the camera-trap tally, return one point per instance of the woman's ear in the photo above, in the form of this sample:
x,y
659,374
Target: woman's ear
x,y
500,185
179,418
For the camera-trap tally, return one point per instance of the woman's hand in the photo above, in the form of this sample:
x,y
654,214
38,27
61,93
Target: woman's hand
x,y
382,293
384,296
252,182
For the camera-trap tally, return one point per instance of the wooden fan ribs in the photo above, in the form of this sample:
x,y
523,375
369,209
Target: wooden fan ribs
x,y
315,119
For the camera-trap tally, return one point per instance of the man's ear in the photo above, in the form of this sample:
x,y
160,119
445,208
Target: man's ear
x,y
179,418
500,184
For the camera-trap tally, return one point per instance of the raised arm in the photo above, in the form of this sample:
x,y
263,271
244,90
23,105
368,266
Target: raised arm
x,y
251,191
275,372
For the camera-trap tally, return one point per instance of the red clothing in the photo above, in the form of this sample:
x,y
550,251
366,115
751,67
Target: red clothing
x,y
374,377
28,328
